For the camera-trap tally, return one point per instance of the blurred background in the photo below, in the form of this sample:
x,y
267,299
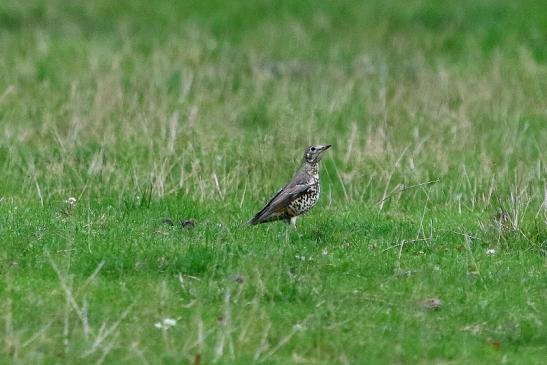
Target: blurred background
x,y
118,95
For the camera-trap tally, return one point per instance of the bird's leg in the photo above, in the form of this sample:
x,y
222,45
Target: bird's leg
x,y
293,222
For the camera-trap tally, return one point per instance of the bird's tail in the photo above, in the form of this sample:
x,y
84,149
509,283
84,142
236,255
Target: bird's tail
x,y
254,220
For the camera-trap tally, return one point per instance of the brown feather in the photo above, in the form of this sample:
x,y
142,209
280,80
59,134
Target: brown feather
x,y
277,206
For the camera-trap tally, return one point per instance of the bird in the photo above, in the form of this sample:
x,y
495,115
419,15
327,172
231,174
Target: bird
x,y
299,195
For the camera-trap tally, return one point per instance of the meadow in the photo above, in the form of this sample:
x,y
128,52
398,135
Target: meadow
x,y
121,119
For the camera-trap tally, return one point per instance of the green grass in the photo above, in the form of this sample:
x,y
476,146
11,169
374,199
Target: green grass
x,y
198,110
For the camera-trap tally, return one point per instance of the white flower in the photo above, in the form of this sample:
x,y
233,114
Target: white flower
x,y
325,252
165,324
169,322
298,327
71,201
490,252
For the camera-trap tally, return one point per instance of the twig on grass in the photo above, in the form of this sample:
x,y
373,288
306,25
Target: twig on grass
x,y
404,188
405,241
467,242
104,333
464,234
296,328
36,335
69,296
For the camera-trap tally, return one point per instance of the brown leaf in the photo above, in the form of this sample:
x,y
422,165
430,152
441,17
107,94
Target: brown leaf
x,y
495,344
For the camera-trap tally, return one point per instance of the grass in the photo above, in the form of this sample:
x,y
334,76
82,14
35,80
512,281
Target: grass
x,y
200,110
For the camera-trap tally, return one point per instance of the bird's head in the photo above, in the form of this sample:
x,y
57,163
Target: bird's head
x,y
313,154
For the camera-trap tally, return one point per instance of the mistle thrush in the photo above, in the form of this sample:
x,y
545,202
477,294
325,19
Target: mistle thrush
x,y
299,195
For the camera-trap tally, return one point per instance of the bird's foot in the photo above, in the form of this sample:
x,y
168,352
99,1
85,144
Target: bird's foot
x,y
292,222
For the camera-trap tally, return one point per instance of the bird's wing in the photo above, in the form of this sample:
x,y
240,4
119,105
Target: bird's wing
x,y
277,205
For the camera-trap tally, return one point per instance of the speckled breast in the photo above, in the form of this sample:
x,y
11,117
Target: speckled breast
x,y
305,202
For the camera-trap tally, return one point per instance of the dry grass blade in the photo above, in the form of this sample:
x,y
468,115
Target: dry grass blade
x,y
404,188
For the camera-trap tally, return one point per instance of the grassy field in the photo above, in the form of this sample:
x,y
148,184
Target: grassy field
x,y
428,245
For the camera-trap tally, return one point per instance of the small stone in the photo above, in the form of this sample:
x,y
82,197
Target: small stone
x,y
432,303
188,223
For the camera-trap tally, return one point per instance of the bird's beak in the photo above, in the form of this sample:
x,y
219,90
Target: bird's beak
x,y
322,150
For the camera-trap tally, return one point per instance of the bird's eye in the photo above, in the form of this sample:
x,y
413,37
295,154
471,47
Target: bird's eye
x,y
312,149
